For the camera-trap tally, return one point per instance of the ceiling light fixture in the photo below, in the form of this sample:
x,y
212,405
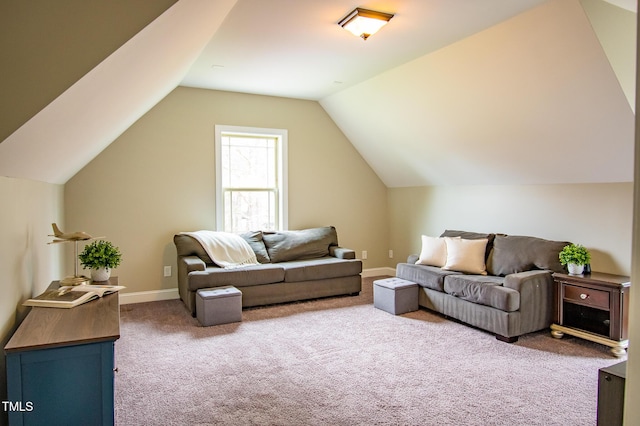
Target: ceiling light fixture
x,y
364,22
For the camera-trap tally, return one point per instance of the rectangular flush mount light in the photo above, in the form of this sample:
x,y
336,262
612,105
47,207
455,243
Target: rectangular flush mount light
x,y
364,22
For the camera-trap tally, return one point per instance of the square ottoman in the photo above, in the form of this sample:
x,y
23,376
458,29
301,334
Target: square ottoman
x,y
395,295
219,305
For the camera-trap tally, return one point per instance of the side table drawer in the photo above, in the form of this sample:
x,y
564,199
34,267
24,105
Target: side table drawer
x,y
587,296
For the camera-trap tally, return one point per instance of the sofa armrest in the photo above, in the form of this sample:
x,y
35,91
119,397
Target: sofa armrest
x,y
536,298
187,264
520,280
342,253
193,263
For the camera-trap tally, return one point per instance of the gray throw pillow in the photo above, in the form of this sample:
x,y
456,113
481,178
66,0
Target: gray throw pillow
x,y
304,244
515,253
254,238
189,246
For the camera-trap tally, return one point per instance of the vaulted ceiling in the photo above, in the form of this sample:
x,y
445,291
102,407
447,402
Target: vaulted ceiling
x,y
450,92
532,100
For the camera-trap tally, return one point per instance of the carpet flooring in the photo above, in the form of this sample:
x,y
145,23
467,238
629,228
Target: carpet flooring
x,y
340,361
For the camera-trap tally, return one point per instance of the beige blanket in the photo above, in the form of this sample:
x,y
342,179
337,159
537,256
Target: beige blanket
x,y
227,250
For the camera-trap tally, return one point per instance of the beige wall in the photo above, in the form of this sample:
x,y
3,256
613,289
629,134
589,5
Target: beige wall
x,y
599,216
632,387
27,263
157,179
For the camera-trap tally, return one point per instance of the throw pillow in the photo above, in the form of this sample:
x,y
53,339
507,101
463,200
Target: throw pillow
x,y
434,252
254,238
283,246
467,235
188,246
518,253
466,255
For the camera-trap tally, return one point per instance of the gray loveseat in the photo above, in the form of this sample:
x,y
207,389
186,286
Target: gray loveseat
x,y
294,265
515,296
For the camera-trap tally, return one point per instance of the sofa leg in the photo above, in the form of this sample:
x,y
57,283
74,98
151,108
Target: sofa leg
x,y
507,339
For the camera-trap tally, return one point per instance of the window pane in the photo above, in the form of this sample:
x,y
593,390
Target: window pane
x,y
250,210
248,162
250,178
228,216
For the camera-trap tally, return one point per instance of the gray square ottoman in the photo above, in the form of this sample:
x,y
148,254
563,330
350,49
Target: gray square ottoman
x,y
219,305
395,295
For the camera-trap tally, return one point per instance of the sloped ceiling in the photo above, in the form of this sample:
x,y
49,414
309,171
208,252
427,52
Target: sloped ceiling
x,y
296,49
630,5
532,100
616,28
70,131
49,45
519,92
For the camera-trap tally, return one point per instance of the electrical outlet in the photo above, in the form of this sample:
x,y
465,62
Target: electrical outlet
x,y
390,254
167,271
364,255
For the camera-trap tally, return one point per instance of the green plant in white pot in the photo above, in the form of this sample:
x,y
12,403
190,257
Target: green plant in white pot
x,y
575,256
101,257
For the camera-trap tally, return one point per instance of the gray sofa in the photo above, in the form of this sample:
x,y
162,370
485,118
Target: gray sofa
x,y
294,265
515,296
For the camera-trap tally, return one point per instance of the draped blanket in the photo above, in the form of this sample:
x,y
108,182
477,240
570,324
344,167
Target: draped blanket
x,y
227,250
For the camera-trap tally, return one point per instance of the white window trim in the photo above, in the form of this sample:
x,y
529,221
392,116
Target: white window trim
x,y
282,135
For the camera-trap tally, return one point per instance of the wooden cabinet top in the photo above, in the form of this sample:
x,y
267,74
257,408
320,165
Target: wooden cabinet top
x,y
94,321
618,370
597,278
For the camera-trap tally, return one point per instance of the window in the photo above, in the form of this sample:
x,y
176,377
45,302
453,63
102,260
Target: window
x,y
251,178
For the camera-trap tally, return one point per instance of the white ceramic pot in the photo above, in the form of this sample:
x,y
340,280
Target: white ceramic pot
x,y
101,274
575,269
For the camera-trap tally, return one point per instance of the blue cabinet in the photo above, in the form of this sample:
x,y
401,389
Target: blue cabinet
x,y
60,365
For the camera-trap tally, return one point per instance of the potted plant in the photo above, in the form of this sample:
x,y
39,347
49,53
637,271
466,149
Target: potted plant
x,y
575,256
100,256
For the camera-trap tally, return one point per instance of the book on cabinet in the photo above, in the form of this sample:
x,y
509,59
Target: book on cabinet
x,y
71,296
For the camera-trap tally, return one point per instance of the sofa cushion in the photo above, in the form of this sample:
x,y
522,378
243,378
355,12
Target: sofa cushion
x,y
189,246
254,238
320,269
515,253
311,243
246,276
434,251
484,290
466,255
426,276
472,236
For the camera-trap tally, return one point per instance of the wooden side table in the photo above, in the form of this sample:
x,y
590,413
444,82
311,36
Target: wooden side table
x,y
594,307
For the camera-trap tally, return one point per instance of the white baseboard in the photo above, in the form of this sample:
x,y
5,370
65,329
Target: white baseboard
x,y
149,296
172,293
374,272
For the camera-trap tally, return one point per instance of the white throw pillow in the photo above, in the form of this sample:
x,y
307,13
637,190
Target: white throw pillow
x,y
434,252
466,255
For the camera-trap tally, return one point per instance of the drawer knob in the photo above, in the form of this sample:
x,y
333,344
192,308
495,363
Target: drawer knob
x,y
583,296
